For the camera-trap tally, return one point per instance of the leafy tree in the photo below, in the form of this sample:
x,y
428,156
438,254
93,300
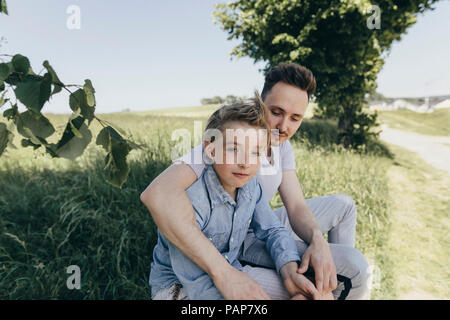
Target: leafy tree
x,y
33,91
229,99
343,42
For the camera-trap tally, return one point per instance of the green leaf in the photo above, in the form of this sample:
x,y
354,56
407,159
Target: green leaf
x,y
116,167
3,7
4,71
28,143
11,113
2,99
74,147
14,77
75,130
33,91
21,63
4,137
74,121
78,102
89,90
57,84
104,140
34,126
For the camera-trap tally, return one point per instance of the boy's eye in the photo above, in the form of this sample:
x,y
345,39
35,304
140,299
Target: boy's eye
x,y
275,113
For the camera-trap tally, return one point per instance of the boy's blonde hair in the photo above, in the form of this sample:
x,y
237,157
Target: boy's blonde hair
x,y
252,112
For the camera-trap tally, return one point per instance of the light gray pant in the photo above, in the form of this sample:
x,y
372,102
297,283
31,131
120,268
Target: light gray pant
x,y
268,279
336,215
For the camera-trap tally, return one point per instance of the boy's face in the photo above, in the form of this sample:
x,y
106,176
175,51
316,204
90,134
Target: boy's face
x,y
287,106
236,155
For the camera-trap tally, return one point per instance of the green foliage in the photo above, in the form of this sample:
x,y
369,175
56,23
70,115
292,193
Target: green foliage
x,y
33,91
229,99
332,38
324,132
3,8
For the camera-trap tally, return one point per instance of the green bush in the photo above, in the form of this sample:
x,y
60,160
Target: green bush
x,y
315,132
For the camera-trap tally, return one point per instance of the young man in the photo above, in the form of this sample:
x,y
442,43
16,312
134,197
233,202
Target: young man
x,y
337,265
228,200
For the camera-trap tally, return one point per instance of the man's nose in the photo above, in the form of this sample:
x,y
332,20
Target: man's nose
x,y
282,125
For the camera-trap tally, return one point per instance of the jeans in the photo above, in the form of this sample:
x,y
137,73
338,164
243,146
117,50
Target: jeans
x,y
336,215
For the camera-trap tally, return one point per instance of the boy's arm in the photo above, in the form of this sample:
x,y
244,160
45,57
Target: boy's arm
x,y
268,227
281,246
304,224
172,212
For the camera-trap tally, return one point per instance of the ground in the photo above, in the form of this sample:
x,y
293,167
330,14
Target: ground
x,y
419,191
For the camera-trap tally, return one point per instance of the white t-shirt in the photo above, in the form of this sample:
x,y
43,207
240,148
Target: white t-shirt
x,y
268,175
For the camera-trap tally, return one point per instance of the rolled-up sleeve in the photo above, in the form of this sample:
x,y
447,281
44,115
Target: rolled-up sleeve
x,y
268,227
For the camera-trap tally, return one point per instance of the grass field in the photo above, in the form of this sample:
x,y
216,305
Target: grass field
x,y
418,240
55,213
436,123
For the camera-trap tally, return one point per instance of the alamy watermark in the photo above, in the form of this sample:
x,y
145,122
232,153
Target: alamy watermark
x,y
74,19
374,21
74,280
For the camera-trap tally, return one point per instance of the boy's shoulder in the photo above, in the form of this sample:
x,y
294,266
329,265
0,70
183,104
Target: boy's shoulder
x,y
198,193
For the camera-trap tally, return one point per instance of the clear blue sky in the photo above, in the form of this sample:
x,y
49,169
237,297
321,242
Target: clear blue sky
x,y
145,54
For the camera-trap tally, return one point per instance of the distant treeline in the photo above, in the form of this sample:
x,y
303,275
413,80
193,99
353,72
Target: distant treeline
x,y
229,99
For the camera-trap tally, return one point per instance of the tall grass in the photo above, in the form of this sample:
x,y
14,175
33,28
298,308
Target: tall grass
x,y
56,213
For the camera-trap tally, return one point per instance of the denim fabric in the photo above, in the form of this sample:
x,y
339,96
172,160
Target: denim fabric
x,y
226,223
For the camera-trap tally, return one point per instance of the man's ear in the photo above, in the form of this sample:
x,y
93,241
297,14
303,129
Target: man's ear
x,y
209,151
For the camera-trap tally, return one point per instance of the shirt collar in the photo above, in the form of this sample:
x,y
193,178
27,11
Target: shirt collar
x,y
216,191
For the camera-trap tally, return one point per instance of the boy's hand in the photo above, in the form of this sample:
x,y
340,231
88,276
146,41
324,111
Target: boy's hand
x,y
298,286
237,285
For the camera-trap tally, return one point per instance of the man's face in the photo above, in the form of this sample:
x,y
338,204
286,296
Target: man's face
x,y
287,107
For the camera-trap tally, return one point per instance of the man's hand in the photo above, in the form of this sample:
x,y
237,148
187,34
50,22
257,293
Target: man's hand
x,y
318,255
237,285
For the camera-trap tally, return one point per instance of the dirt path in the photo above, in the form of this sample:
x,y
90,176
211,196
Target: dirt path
x,y
434,150
420,224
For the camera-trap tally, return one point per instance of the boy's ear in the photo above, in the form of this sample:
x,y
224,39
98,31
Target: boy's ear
x,y
209,151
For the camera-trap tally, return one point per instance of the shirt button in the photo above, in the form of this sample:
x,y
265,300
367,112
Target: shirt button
x,y
231,239
226,257
210,239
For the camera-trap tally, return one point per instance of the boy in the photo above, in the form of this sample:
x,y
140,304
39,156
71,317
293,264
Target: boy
x,y
228,200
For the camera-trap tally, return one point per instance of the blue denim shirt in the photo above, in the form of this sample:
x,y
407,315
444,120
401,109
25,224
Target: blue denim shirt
x,y
225,222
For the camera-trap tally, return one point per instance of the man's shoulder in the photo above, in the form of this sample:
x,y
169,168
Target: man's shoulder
x,y
286,146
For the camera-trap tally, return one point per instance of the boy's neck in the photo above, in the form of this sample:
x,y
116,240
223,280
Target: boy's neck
x,y
232,191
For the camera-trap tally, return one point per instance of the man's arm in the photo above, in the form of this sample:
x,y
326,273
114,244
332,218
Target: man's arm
x,y
172,212
304,224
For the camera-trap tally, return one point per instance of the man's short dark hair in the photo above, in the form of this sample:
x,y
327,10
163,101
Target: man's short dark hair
x,y
290,73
